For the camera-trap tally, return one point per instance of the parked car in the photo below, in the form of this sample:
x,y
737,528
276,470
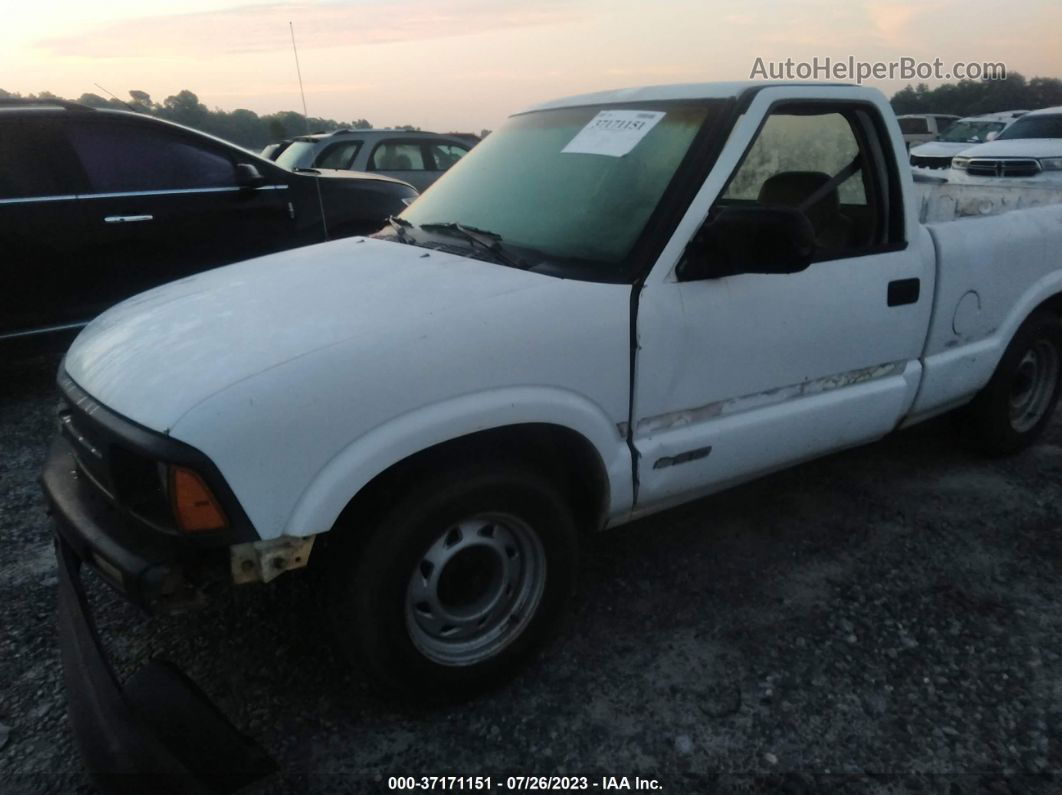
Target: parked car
x,y
96,205
272,151
960,135
418,158
616,303
1028,152
919,128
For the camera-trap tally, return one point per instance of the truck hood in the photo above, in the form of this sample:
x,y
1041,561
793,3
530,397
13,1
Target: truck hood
x,y
1017,147
157,355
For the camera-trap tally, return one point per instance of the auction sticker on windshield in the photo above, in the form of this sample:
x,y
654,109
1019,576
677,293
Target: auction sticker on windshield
x,y
613,132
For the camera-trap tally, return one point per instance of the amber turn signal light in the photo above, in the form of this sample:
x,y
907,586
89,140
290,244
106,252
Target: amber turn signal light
x,y
194,505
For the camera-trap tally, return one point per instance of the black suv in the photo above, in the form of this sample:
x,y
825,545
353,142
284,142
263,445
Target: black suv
x,y
96,205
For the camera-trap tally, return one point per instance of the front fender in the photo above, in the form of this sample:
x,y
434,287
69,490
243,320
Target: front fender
x,y
363,459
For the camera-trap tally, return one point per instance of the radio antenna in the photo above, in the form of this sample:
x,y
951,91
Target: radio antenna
x,y
306,122
116,99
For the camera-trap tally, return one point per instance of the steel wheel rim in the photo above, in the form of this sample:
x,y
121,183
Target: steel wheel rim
x,y
1033,385
475,588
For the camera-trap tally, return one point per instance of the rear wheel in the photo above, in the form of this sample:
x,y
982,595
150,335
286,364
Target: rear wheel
x,y
1016,405
457,584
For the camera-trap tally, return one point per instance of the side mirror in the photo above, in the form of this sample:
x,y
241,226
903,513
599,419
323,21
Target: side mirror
x,y
248,175
750,240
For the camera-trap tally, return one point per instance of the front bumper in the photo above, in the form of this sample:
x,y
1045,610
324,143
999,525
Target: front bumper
x,y
157,731
155,571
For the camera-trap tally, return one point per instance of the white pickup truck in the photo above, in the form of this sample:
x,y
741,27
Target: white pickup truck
x,y
616,303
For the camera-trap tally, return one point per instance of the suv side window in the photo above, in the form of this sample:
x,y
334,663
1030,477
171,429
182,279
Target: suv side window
x,y
338,155
445,155
800,153
34,162
914,126
397,156
123,158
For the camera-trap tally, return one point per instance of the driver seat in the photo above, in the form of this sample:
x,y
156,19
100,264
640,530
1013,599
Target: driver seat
x,y
833,229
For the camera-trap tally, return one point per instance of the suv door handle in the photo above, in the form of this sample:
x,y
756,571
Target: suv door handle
x,y
127,219
904,291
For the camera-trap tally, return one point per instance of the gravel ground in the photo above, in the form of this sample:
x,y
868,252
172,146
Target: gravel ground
x,y
883,620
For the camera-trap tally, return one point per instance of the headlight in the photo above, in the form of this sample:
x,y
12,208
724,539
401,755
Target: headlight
x,y
1051,163
959,163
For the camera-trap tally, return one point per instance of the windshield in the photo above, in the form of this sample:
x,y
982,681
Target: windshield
x,y
1034,127
970,132
297,154
570,188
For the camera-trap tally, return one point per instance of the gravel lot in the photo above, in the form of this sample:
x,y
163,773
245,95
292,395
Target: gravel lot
x,y
883,620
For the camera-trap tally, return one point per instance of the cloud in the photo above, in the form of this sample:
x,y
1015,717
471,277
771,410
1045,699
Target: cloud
x,y
264,27
891,21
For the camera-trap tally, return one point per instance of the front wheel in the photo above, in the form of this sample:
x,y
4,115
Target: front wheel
x,y
1016,405
455,586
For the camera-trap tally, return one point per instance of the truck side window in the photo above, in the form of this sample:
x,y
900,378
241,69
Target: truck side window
x,y
815,159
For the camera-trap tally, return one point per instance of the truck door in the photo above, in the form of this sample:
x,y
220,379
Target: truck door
x,y
737,375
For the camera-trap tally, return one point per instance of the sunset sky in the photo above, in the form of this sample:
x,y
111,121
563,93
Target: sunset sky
x,y
466,64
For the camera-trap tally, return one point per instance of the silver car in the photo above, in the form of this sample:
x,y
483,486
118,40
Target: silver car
x,y
418,158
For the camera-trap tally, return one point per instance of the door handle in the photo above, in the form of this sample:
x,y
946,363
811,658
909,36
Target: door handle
x,y
127,219
904,291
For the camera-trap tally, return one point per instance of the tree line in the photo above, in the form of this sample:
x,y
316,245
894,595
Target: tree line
x,y
248,129
243,127
973,97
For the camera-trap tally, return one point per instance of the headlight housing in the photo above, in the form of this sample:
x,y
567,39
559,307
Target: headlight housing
x,y
959,163
1051,163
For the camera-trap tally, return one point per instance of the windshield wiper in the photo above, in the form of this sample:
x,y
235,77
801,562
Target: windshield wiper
x,y
400,225
491,241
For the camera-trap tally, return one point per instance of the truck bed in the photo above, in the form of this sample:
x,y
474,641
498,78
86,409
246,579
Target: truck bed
x,y
992,272
940,200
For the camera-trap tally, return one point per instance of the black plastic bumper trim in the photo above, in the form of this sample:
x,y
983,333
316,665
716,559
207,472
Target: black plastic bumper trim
x,y
159,733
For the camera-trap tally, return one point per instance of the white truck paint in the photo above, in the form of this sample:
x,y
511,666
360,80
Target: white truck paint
x,y
303,375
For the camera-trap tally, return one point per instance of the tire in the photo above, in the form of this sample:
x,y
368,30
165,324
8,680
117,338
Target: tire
x,y
1015,406
457,584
